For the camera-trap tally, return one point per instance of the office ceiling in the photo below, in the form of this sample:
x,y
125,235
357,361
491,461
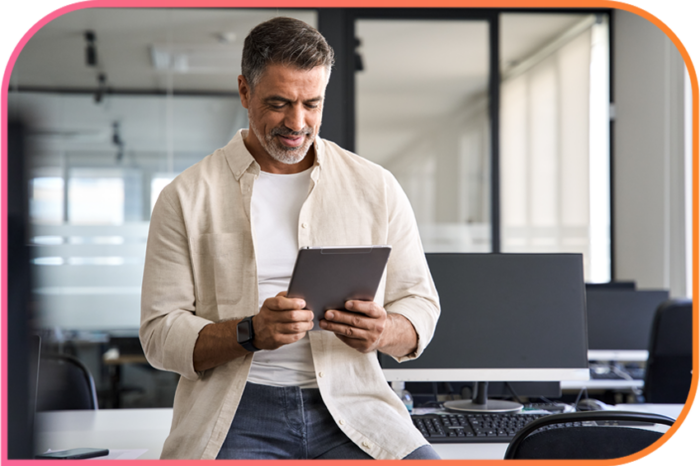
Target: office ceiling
x,y
211,40
441,64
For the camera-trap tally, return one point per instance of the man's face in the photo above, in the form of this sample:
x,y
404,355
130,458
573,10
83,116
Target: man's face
x,y
284,112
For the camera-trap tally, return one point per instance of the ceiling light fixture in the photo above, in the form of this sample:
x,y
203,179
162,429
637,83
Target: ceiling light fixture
x,y
101,88
225,37
117,140
90,49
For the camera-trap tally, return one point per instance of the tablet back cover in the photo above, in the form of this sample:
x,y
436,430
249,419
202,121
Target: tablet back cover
x,y
327,277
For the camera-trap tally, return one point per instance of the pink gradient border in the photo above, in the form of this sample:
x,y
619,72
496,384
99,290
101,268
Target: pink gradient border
x,y
337,4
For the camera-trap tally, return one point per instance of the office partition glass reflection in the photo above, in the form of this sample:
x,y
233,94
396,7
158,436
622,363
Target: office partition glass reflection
x,y
101,153
555,178
422,113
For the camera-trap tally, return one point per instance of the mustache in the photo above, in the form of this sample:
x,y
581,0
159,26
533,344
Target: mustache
x,y
286,132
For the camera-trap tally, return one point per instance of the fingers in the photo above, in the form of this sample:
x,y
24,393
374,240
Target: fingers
x,y
365,329
369,308
281,321
357,327
282,303
365,315
273,333
288,311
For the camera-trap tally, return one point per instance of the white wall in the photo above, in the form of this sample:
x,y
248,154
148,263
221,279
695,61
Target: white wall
x,y
649,205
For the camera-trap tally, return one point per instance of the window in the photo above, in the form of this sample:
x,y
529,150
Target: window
x,y
159,182
555,180
95,198
46,200
423,115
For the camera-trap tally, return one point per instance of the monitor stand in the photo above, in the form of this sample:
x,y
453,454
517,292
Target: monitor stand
x,y
481,404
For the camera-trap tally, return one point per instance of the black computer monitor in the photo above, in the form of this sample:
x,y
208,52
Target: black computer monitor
x,y
619,322
505,317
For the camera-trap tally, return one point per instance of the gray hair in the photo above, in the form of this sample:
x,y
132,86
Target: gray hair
x,y
284,41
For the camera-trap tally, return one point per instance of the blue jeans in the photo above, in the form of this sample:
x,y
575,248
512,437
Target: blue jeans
x,y
291,423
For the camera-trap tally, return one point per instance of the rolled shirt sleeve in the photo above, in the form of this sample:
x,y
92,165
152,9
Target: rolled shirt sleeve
x,y
169,326
410,290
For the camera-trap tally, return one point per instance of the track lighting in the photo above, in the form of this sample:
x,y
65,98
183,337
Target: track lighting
x,y
90,49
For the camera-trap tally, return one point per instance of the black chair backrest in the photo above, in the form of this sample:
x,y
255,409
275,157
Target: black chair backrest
x,y
64,384
568,436
669,367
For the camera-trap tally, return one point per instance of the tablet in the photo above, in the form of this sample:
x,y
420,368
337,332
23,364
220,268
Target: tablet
x,y
74,454
326,277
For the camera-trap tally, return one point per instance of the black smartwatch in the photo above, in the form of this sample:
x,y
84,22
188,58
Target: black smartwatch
x,y
245,334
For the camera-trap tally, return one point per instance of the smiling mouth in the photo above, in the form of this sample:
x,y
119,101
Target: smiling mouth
x,y
291,141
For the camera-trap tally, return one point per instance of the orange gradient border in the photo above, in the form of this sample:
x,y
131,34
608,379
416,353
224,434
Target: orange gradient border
x,y
560,4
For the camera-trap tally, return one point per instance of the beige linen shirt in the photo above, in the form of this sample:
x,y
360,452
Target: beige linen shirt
x,y
200,268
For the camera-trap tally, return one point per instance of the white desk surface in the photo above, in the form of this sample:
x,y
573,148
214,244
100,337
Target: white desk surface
x,y
115,429
133,429
601,384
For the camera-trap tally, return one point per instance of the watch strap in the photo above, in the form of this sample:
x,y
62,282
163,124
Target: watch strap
x,y
248,344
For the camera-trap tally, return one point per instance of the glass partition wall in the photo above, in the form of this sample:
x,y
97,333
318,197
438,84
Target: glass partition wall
x,y
425,110
555,160
108,133
117,102
105,141
422,112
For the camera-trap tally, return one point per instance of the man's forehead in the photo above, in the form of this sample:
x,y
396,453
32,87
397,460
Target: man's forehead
x,y
286,83
287,74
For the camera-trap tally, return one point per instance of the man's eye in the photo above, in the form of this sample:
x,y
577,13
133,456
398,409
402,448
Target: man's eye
x,y
277,106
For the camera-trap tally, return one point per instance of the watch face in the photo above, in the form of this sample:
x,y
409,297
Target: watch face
x,y
243,333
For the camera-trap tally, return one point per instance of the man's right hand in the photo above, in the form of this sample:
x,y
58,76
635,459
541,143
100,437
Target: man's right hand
x,y
281,321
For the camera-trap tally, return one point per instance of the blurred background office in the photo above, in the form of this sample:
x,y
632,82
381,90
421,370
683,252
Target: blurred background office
x,y
509,130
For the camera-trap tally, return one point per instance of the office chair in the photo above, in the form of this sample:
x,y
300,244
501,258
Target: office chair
x,y
669,367
64,384
571,436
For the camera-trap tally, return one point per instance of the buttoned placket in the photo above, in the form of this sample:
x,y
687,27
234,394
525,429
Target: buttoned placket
x,y
246,184
304,233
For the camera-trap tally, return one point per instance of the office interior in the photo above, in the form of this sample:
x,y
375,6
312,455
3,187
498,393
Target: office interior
x,y
511,131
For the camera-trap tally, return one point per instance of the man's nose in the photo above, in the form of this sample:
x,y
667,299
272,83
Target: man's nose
x,y
294,119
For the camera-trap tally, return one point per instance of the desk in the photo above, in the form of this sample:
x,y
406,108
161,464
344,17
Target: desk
x,y
602,384
131,429
118,429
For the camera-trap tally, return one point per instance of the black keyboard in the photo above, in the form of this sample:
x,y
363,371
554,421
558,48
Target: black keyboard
x,y
471,428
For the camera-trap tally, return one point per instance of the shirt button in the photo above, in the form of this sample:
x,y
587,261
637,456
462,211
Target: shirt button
x,y
341,422
304,225
365,443
321,374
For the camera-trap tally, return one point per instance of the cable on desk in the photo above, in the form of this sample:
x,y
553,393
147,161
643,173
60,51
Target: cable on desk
x,y
578,398
512,392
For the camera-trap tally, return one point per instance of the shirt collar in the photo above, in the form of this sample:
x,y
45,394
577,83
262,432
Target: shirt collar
x,y
238,157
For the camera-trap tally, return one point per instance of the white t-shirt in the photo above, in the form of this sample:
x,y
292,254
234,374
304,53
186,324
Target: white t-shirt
x,y
275,207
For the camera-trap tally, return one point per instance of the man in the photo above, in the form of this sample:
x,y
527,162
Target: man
x,y
257,380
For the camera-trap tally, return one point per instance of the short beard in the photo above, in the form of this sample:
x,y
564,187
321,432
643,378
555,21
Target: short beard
x,y
286,155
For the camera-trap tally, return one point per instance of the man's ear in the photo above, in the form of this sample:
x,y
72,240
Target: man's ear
x,y
244,91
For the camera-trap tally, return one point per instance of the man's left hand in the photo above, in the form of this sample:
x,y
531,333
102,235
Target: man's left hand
x,y
362,328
